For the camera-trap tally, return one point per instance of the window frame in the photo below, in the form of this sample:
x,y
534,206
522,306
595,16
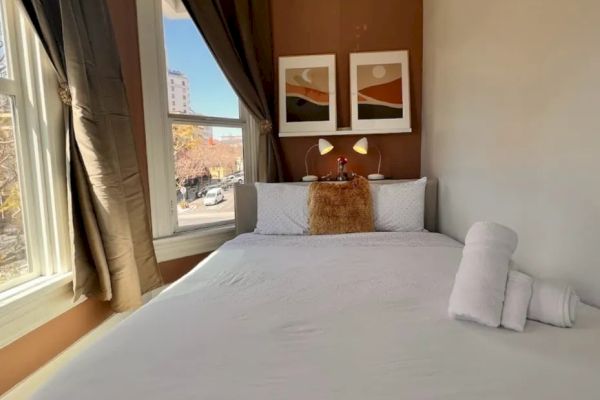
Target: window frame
x,y
159,144
40,143
47,252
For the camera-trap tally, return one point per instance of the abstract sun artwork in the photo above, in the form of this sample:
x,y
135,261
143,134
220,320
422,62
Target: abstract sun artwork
x,y
380,91
307,94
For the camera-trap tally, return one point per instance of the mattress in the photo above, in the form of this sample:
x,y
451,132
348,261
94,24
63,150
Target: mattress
x,y
361,316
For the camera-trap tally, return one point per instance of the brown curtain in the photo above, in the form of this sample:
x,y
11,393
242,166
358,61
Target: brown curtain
x,y
113,254
238,33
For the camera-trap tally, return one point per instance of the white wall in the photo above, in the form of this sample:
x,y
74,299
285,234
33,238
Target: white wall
x,y
511,127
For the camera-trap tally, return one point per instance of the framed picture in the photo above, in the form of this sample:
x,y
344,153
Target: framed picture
x,y
380,92
307,95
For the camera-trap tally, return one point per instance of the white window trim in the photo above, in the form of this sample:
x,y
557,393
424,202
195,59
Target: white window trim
x,y
170,243
30,304
194,242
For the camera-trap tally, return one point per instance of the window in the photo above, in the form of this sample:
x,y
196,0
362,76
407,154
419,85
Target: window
x,y
196,127
189,59
14,265
33,230
206,154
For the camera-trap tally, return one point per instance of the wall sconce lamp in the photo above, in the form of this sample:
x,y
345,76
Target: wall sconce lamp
x,y
362,147
324,148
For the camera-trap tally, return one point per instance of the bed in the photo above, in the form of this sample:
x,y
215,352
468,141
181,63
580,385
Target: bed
x,y
360,316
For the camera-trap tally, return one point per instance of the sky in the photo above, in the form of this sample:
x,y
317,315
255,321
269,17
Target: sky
x,y
210,91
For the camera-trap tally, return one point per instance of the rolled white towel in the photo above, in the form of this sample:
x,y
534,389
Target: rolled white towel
x,y
480,283
553,303
516,300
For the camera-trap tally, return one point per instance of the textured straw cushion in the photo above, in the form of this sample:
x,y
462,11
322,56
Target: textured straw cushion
x,y
340,207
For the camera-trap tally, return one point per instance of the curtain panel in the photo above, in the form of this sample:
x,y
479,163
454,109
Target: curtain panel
x,y
111,238
238,33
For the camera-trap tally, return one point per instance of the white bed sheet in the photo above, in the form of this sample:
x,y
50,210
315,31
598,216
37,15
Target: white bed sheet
x,y
360,316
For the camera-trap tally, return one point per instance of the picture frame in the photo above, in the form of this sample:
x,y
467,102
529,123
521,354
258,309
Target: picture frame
x,y
380,92
307,98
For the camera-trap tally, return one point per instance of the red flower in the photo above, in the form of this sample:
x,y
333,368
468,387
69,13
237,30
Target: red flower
x,y
342,160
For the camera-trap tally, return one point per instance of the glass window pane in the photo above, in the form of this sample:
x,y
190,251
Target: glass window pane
x,y
13,254
208,161
4,71
196,83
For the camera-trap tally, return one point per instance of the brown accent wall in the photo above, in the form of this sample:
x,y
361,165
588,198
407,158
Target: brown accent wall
x,y
175,269
302,27
28,353
124,18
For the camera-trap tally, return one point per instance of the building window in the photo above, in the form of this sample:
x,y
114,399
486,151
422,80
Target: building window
x,y
33,229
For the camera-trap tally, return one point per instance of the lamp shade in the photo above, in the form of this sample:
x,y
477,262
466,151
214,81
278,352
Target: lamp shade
x,y
324,146
361,146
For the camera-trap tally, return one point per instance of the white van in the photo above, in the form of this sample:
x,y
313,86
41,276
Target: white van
x,y
213,196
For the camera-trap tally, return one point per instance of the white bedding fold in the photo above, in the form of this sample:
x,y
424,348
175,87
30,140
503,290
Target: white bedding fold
x,y
480,283
262,318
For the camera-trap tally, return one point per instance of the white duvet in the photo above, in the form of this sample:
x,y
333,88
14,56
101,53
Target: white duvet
x,y
360,316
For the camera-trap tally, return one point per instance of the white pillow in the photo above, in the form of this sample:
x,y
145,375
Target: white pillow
x,y
282,209
399,207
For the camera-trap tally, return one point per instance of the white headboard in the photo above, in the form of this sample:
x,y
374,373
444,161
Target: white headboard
x,y
245,204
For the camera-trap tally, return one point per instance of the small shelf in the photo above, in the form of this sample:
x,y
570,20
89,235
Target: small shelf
x,y
345,131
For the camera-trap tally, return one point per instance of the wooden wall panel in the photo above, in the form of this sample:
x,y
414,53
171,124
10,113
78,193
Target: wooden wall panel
x,y
302,27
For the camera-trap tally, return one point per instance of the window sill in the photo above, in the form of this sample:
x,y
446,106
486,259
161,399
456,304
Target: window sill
x,y
32,304
189,243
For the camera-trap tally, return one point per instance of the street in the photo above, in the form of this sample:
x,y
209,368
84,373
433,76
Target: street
x,y
199,214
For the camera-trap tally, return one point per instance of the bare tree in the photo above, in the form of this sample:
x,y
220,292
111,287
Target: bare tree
x,y
195,155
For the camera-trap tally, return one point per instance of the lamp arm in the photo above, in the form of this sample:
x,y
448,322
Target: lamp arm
x,y
306,157
379,165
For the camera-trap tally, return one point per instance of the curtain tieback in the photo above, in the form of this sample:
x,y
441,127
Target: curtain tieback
x,y
65,94
265,127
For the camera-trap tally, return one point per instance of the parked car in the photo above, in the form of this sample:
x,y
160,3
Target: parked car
x,y
205,189
238,177
213,196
